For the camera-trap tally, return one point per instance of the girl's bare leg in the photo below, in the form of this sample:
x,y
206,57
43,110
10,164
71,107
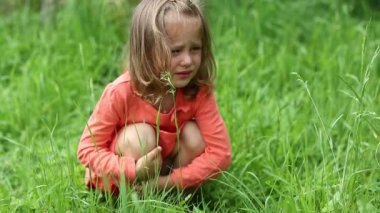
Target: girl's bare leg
x,y
139,142
191,145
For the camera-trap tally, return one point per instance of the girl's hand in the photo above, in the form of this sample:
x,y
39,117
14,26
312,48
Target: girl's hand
x,y
163,182
149,164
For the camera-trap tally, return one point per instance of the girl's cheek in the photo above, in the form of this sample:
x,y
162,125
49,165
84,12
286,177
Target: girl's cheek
x,y
172,64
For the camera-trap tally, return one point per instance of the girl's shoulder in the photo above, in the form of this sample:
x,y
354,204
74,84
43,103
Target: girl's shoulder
x,y
124,78
120,88
204,95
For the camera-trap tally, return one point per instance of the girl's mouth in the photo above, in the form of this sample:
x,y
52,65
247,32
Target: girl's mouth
x,y
183,75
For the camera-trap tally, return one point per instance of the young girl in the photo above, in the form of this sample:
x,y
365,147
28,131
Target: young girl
x,y
143,120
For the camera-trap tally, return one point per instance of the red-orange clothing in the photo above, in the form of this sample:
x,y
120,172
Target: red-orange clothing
x,y
120,106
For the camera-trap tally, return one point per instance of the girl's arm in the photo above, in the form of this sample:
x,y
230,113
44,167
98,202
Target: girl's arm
x,y
217,155
94,149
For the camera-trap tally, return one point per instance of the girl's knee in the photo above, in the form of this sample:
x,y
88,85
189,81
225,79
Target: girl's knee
x,y
135,140
192,140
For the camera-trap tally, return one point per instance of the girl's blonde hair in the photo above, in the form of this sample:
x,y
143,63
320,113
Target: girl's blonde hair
x,y
150,54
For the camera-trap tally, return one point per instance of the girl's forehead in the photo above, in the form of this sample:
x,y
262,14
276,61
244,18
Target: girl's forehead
x,y
178,29
173,17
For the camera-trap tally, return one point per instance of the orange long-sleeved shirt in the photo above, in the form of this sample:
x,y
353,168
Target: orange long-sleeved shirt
x,y
120,106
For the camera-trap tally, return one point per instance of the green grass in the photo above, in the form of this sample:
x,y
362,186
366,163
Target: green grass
x,y
298,86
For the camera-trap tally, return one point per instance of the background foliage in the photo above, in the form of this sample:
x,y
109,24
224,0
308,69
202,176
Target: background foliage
x,y
298,86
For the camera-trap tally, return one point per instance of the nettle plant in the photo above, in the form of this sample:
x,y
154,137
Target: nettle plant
x,y
166,77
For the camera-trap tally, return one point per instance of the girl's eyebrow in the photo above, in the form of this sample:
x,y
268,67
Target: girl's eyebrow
x,y
197,43
180,46
177,46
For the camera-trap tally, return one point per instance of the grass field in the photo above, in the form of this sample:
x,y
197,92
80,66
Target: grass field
x,y
298,85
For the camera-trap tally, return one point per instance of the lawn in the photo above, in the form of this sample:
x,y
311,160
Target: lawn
x,y
298,86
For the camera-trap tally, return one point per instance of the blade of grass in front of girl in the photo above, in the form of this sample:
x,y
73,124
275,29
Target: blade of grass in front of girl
x,y
157,135
166,76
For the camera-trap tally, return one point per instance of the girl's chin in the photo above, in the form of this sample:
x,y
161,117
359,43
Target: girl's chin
x,y
181,83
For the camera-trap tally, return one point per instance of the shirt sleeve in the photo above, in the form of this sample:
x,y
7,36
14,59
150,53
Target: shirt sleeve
x,y
94,149
217,155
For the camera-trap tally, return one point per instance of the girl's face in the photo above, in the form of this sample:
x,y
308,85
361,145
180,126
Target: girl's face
x,y
185,42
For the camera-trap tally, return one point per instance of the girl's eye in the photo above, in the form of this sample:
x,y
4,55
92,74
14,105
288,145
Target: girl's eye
x,y
175,51
196,48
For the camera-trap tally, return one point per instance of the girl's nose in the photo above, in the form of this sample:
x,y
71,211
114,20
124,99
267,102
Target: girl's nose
x,y
186,59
